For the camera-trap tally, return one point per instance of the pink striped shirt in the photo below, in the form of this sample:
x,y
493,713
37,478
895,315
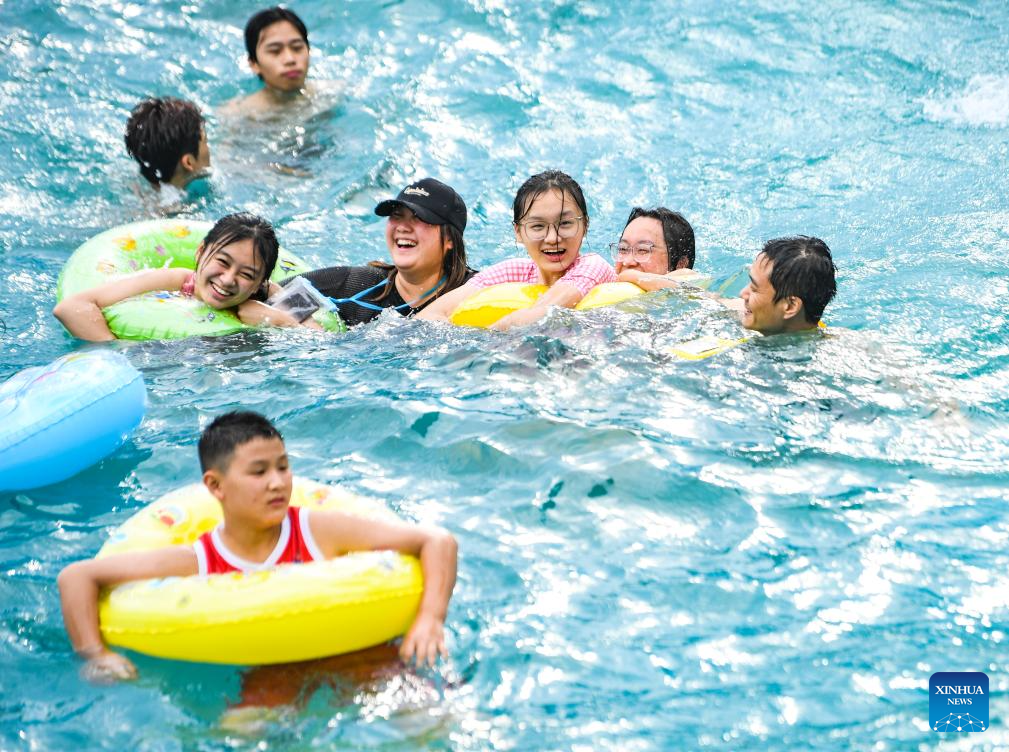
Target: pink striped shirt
x,y
588,271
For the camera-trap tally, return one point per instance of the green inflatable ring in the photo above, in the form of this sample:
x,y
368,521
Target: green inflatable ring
x,y
154,244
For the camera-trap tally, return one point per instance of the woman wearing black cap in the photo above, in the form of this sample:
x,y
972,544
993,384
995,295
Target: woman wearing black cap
x,y
424,234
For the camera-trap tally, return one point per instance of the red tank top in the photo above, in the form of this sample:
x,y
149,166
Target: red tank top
x,y
189,286
296,545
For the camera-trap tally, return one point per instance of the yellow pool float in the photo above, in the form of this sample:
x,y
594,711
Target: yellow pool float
x,y
707,346
295,612
609,293
497,301
704,347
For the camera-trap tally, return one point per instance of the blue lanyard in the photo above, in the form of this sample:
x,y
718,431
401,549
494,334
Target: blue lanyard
x,y
356,298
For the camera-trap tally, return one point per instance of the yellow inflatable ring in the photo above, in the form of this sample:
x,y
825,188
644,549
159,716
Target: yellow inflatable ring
x,y
291,613
492,303
609,293
495,302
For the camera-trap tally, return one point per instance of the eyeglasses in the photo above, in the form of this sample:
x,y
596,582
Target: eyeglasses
x,y
641,251
537,229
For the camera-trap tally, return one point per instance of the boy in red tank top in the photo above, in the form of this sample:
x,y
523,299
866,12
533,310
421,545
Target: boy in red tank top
x,y
245,466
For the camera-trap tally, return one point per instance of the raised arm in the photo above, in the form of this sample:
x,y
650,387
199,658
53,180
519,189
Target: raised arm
x,y
437,550
80,584
82,314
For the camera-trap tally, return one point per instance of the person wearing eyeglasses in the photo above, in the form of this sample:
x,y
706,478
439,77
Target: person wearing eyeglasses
x,y
654,243
550,218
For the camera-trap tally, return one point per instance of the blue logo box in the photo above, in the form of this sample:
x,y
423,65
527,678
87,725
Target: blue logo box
x,y
958,701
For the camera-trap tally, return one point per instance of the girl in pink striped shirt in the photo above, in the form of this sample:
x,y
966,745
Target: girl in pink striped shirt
x,y
550,220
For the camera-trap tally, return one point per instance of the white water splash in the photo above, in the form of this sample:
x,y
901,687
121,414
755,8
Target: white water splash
x,y
984,101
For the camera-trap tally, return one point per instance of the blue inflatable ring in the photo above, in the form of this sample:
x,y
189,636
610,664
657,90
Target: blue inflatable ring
x,y
57,419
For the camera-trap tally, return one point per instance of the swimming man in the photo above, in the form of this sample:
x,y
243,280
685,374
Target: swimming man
x,y
276,42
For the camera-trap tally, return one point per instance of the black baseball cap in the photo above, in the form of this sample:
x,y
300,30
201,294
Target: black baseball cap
x,y
432,201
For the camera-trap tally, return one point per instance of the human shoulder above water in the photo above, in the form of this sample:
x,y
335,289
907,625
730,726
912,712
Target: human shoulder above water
x,y
278,53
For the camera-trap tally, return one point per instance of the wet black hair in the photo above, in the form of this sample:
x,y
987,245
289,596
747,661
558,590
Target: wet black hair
x,y
453,266
676,231
160,132
241,226
229,431
268,17
542,182
802,266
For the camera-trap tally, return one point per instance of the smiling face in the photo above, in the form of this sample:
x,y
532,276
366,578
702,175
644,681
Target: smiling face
x,y
761,313
281,57
414,245
644,232
227,276
255,487
549,216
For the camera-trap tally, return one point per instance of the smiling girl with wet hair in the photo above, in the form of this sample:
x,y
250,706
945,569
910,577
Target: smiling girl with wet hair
x,y
233,267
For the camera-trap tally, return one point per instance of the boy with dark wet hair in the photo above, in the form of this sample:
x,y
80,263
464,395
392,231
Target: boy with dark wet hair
x,y
276,43
245,467
791,281
168,139
264,18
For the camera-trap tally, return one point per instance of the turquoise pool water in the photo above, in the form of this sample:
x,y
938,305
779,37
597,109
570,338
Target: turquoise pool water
x,y
768,550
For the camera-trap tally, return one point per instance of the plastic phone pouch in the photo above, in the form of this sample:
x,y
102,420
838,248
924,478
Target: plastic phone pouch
x,y
300,299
